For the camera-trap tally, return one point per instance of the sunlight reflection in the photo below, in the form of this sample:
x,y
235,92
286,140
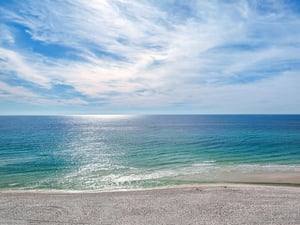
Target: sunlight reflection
x,y
106,116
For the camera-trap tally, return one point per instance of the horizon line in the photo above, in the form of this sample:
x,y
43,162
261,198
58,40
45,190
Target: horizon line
x,y
152,114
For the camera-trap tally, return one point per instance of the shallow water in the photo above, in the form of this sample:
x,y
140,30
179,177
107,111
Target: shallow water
x,y
124,152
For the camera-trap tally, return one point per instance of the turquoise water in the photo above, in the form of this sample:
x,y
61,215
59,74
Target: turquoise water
x,y
126,152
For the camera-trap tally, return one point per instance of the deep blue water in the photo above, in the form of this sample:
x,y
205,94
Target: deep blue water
x,y
112,152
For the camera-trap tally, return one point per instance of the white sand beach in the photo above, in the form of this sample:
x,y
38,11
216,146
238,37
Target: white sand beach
x,y
204,204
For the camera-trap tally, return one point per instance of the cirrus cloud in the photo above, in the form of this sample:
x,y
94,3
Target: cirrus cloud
x,y
168,56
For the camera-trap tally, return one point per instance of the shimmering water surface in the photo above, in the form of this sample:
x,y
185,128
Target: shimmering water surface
x,y
123,152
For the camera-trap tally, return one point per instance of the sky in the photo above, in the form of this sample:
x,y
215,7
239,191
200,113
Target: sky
x,y
149,57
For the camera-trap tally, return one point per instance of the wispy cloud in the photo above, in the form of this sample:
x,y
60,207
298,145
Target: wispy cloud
x,y
167,55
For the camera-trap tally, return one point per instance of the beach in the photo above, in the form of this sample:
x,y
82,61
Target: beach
x,y
202,204
154,170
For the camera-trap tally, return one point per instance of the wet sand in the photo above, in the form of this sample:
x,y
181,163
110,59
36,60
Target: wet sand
x,y
204,204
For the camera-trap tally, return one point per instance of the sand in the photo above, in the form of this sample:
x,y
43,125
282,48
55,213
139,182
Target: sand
x,y
205,204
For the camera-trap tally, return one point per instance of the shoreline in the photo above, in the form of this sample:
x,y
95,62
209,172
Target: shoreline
x,y
241,174
171,187
202,204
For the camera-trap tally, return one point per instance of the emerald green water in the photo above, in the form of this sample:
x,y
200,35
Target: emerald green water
x,y
127,152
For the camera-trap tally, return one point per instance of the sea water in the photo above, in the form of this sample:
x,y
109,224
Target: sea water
x,y
109,152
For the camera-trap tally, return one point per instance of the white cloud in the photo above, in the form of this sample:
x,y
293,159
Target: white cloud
x,y
16,92
13,62
193,58
20,94
6,35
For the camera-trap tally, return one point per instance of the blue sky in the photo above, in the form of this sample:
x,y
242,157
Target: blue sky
x,y
124,56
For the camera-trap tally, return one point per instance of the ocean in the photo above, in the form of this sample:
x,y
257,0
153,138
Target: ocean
x,y
121,152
